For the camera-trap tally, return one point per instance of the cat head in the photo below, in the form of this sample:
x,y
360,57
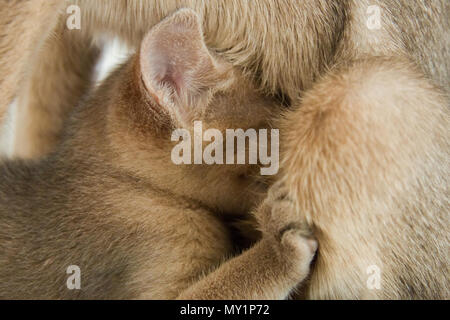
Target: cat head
x,y
173,84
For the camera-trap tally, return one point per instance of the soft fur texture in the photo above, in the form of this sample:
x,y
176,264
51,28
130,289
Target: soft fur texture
x,y
24,26
251,35
111,201
365,146
366,162
284,46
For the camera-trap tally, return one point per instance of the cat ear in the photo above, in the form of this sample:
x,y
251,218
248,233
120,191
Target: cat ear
x,y
177,68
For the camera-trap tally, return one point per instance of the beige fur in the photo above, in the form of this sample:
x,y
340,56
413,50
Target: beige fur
x,y
366,147
365,160
111,201
284,46
373,138
250,34
24,25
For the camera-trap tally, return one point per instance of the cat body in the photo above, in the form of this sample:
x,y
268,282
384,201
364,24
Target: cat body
x,y
111,202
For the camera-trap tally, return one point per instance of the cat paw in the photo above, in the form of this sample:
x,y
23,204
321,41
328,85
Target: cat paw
x,y
278,214
298,251
279,221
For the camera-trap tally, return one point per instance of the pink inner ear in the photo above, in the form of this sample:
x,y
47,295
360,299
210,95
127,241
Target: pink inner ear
x,y
167,64
176,65
168,75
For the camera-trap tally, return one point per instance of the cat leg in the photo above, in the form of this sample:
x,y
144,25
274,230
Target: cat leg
x,y
271,269
58,80
23,26
365,156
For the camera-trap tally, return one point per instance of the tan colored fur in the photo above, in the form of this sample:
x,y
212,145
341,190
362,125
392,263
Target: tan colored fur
x,y
24,25
250,34
111,201
366,160
366,148
283,45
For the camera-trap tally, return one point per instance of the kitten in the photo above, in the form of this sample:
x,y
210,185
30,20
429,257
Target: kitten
x,y
111,202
